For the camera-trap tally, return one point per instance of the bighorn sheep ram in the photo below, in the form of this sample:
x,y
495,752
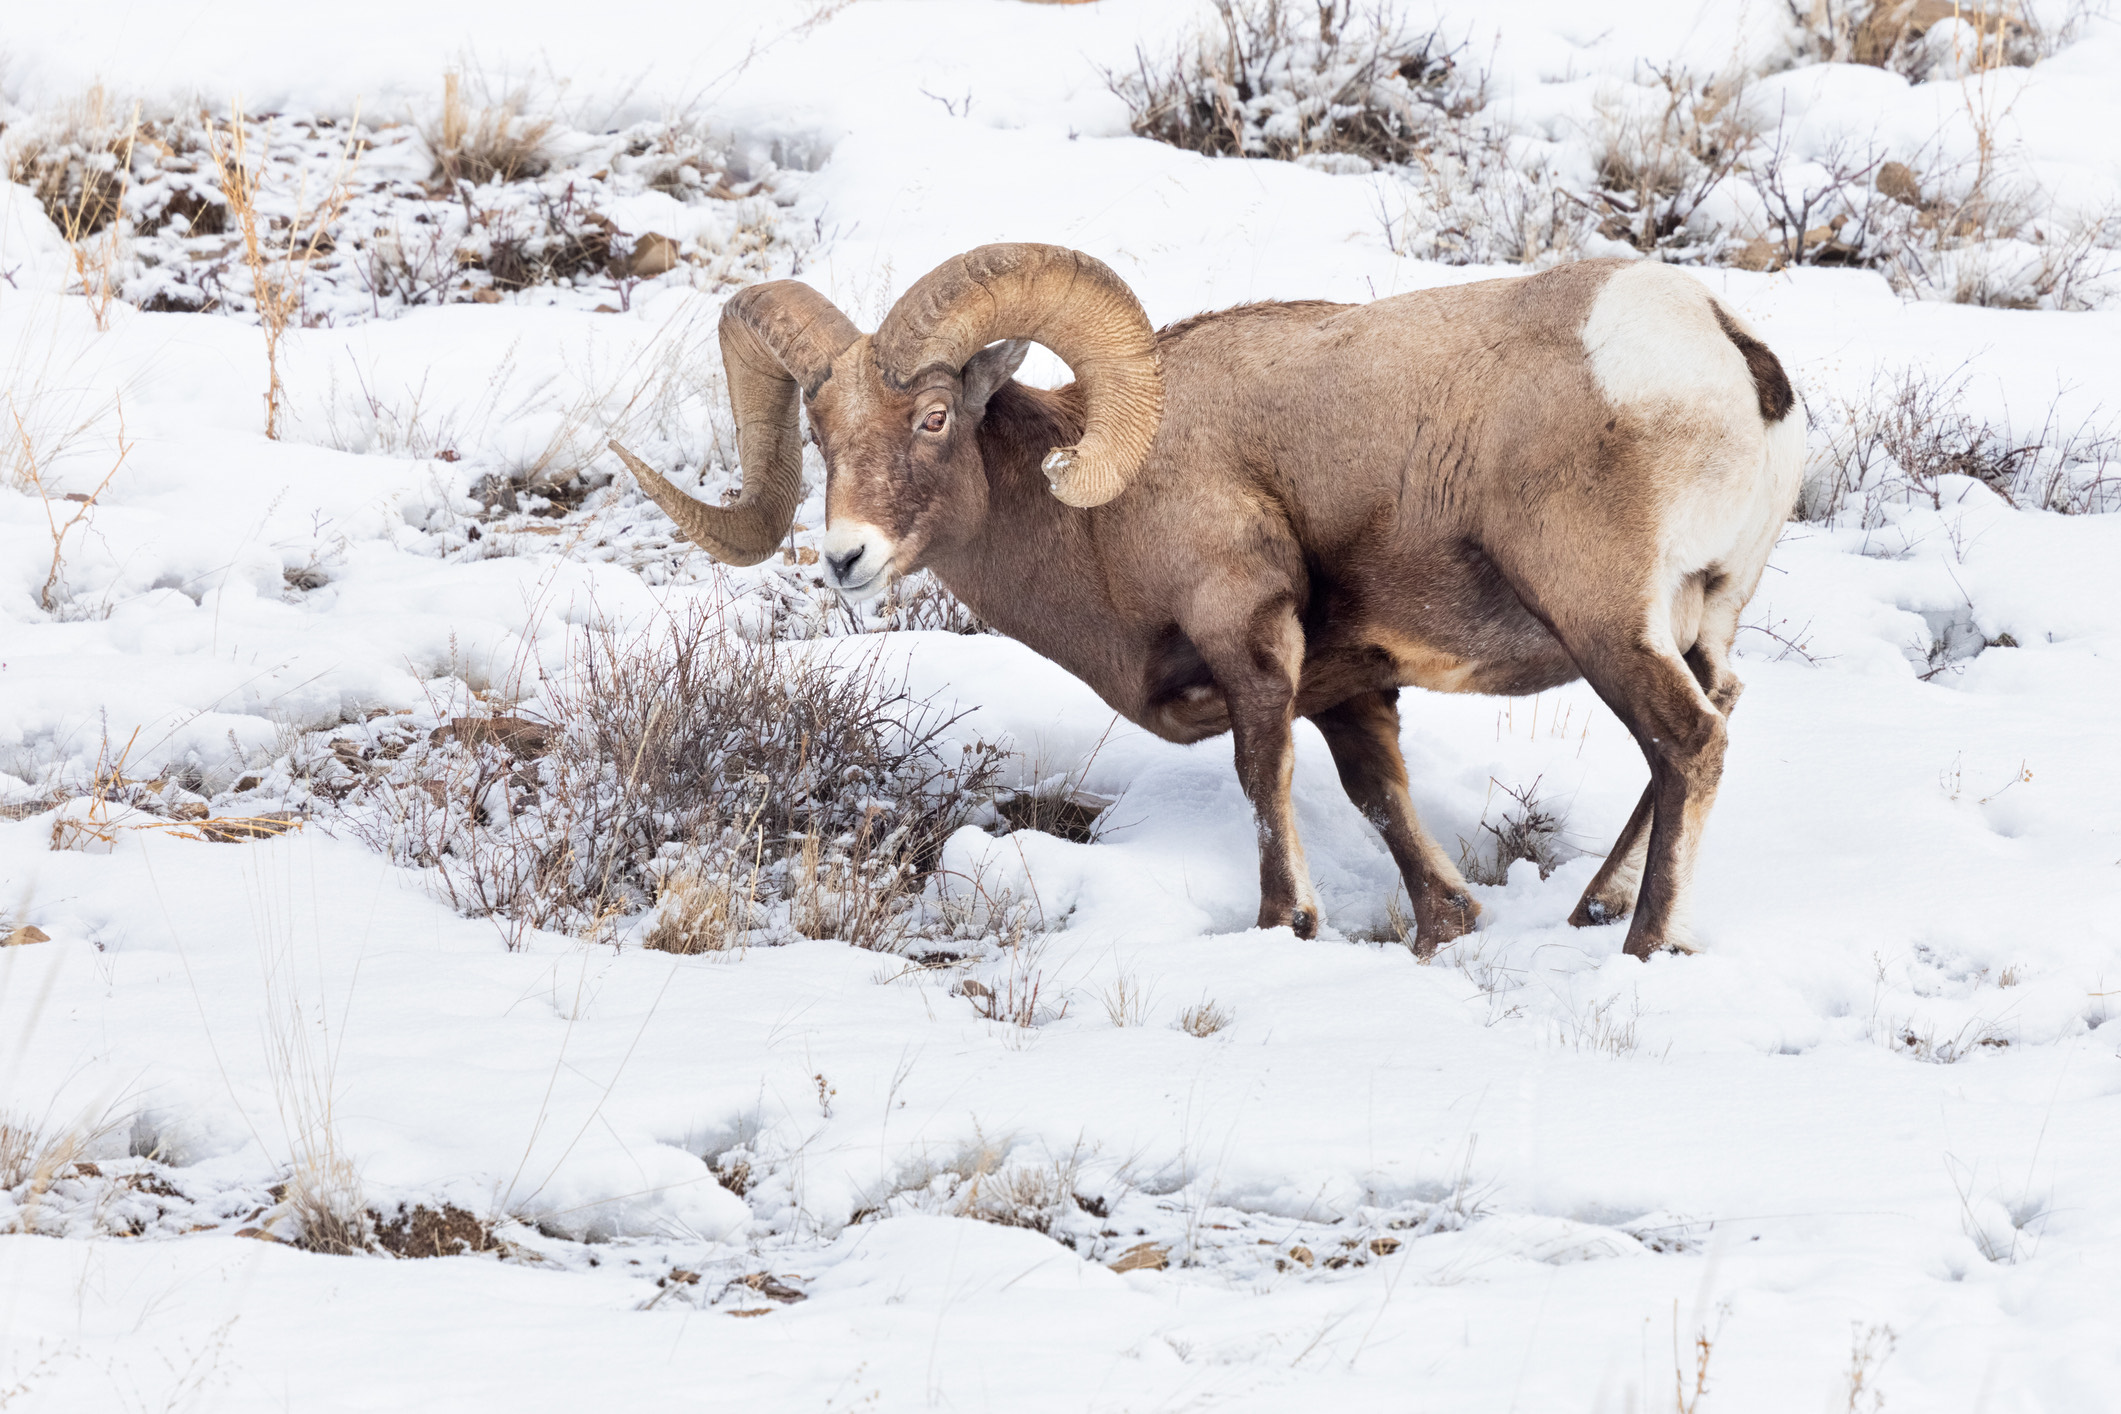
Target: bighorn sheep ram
x,y
1293,510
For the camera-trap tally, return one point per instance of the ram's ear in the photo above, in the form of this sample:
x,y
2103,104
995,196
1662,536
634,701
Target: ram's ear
x,y
988,369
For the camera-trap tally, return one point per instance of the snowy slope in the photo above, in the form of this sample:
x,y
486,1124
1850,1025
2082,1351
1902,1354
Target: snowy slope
x,y
1857,1152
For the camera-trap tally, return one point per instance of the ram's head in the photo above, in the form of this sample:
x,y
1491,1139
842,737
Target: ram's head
x,y
897,413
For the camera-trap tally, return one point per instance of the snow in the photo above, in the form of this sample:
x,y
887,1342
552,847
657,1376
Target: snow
x,y
1861,1145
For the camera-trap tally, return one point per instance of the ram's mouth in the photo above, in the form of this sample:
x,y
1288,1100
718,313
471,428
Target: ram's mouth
x,y
869,588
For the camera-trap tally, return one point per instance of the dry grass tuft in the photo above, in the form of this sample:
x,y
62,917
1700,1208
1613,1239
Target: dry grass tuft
x,y
323,1197
1204,1018
699,910
1030,1196
495,142
1603,1028
988,1183
1931,1046
36,1153
33,1154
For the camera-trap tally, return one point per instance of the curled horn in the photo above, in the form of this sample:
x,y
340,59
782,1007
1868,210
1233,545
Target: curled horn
x,y
778,339
1073,304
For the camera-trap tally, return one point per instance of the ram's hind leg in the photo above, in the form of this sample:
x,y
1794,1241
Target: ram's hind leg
x,y
1364,735
1612,892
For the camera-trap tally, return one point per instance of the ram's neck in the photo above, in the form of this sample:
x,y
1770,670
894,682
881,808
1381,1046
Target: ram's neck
x,y
1031,569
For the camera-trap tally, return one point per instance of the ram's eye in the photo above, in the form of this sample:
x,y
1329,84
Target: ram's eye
x,y
933,422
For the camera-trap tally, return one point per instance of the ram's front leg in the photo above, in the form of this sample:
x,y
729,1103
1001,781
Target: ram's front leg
x,y
1259,684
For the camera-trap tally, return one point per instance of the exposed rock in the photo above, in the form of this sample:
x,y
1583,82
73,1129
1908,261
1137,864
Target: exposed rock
x,y
1143,1257
27,933
1821,246
772,1288
1892,23
1897,180
653,255
520,737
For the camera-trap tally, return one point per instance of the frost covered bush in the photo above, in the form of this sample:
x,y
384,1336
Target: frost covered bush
x,y
1527,829
1924,39
1912,429
1684,165
745,787
472,205
1663,145
1482,195
74,161
1967,231
1325,81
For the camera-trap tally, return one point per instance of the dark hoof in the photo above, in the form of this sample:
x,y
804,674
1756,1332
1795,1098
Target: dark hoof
x,y
1643,948
1595,913
1304,923
1437,923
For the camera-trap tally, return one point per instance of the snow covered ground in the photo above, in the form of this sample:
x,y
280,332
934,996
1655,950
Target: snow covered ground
x,y
1859,1152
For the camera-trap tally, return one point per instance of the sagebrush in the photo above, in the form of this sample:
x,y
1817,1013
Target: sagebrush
x,y
748,784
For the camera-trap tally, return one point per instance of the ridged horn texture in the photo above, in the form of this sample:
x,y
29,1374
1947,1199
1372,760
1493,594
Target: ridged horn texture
x,y
778,340
1073,304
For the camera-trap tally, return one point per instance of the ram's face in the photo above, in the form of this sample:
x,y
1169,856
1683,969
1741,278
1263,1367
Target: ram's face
x,y
903,467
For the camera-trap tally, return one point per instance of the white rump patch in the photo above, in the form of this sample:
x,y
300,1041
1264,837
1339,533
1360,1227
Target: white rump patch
x,y
1652,338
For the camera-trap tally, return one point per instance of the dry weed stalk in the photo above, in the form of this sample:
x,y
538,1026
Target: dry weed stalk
x,y
323,1190
278,277
1126,1001
1527,830
1869,1348
79,175
94,208
1688,1393
74,167
32,474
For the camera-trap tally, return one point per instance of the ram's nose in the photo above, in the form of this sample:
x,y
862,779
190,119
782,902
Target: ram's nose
x,y
842,565
857,559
